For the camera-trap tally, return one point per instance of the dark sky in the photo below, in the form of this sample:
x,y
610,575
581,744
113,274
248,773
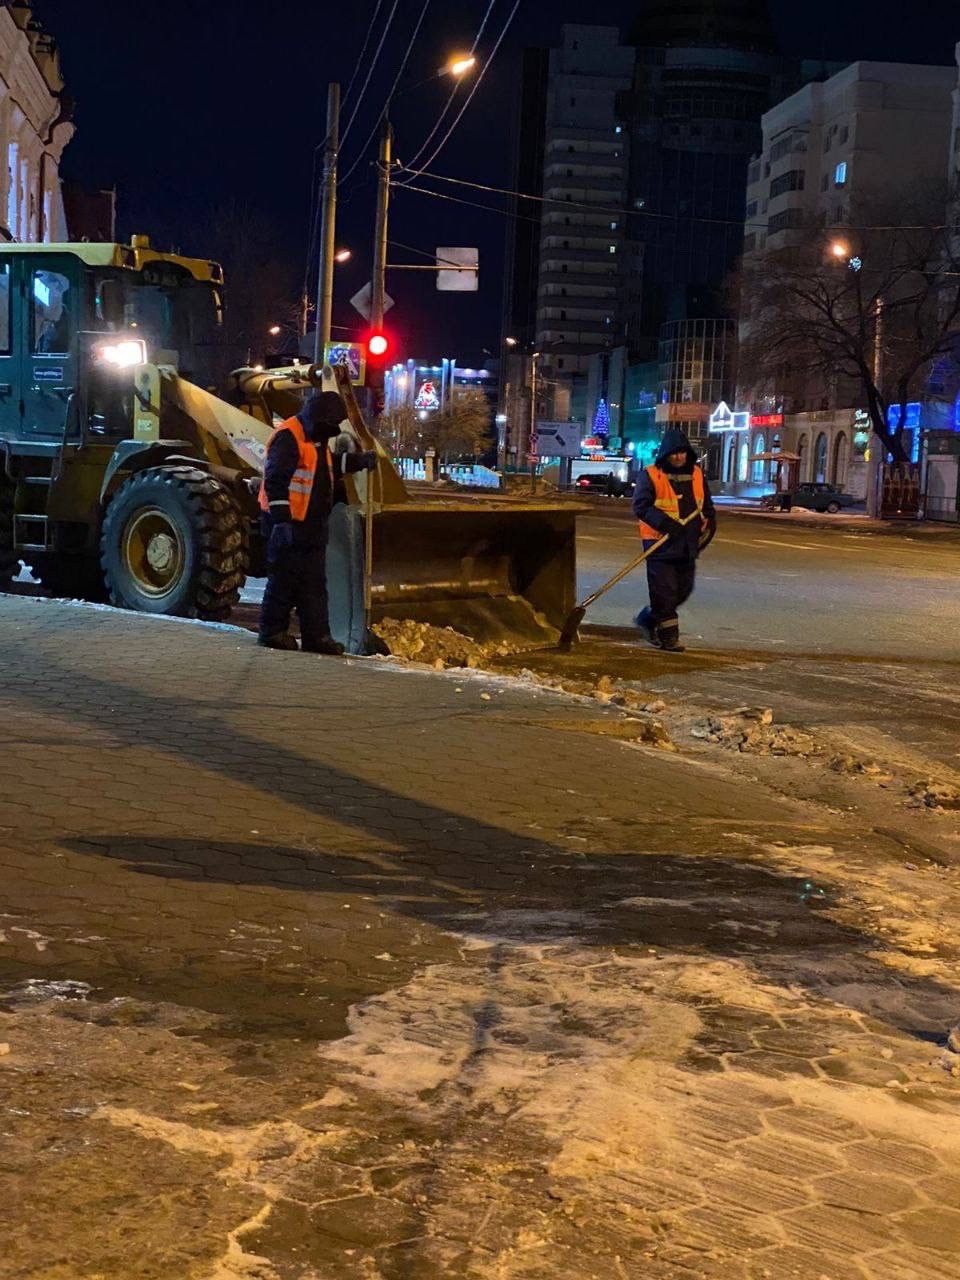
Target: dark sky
x,y
191,104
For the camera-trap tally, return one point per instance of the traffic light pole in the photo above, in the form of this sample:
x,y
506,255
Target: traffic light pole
x,y
380,230
328,226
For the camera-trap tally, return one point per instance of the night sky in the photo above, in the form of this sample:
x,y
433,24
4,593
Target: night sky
x,y
187,106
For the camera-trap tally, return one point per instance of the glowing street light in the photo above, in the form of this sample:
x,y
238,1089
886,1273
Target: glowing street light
x,y
342,255
839,249
460,66
511,342
274,330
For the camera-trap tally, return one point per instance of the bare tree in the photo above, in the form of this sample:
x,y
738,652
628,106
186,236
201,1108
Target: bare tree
x,y
401,432
871,308
462,427
259,279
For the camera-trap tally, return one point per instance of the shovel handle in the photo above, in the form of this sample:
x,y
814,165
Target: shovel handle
x,y
628,568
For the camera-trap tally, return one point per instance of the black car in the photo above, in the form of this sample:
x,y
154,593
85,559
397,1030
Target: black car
x,y
822,497
604,482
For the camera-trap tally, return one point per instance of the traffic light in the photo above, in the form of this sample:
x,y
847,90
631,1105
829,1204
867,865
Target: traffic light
x,y
377,347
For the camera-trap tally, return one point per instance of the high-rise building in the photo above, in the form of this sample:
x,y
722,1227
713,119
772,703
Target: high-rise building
x,y
645,147
830,153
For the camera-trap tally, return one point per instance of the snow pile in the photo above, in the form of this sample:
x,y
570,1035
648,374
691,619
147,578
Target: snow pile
x,y
437,646
927,794
751,729
861,768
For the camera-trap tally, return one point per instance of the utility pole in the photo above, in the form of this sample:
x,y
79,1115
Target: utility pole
x,y
328,225
533,420
378,284
877,448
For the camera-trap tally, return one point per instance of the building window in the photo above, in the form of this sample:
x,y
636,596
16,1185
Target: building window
x,y
613,248
844,134
560,362
820,460
792,181
573,102
752,209
52,323
613,226
840,174
618,129
824,182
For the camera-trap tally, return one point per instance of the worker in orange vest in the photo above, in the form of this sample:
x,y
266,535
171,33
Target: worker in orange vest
x,y
300,484
672,497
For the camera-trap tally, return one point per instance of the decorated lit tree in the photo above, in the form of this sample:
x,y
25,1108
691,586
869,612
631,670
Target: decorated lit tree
x,y
601,419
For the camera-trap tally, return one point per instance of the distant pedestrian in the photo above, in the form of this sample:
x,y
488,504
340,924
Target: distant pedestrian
x,y
300,483
672,497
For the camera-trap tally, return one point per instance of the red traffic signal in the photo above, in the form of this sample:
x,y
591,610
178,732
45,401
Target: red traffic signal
x,y
377,345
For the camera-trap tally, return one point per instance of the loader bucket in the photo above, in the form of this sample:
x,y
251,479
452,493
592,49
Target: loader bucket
x,y
496,573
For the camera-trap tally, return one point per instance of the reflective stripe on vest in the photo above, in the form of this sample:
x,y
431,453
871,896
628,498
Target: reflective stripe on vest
x,y
301,483
666,500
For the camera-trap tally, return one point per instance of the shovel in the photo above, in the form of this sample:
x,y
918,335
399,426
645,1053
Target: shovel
x,y
576,616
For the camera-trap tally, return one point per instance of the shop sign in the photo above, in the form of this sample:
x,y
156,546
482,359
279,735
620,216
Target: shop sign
x,y
723,418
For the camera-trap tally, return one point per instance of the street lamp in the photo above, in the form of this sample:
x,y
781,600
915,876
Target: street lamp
x,y
840,249
274,330
461,65
342,255
510,342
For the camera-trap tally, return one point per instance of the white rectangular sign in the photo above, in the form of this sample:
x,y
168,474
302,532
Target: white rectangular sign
x,y
464,280
560,439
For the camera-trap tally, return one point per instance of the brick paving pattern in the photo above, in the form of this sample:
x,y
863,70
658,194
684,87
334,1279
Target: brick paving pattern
x,y
320,969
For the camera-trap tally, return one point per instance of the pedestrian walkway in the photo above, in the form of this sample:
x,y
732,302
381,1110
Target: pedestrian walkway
x,y
314,969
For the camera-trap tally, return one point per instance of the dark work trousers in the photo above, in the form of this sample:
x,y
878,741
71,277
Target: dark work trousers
x,y
670,583
297,580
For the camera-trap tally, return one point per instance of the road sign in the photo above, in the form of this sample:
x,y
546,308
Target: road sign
x,y
560,439
363,302
458,281
350,354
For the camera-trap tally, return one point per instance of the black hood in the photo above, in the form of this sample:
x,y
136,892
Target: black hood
x,y
322,414
673,441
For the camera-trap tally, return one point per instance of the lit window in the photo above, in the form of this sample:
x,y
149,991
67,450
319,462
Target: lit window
x,y
840,174
613,248
613,226
618,129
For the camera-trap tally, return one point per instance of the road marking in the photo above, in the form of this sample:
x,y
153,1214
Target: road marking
x,y
791,546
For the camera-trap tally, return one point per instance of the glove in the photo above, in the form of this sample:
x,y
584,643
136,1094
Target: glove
x,y
280,540
672,528
368,460
707,535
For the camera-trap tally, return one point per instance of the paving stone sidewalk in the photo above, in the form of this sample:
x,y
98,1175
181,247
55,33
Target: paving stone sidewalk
x,y
314,969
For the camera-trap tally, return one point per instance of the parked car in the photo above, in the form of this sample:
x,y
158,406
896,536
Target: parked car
x,y
604,482
822,497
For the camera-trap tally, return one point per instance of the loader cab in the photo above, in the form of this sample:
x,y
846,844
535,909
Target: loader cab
x,y
179,318
55,302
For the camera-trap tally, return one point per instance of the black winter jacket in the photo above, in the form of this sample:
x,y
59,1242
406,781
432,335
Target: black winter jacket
x,y
685,544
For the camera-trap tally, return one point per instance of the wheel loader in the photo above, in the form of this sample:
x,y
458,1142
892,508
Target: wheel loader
x,y
130,464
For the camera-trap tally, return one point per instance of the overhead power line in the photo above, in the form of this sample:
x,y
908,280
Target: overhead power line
x,y
456,88
419,172
559,202
363,52
373,63
393,88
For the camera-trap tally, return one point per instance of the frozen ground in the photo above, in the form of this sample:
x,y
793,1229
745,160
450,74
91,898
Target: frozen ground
x,y
317,969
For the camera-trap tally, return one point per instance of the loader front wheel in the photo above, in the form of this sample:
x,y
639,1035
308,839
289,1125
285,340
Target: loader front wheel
x,y
174,542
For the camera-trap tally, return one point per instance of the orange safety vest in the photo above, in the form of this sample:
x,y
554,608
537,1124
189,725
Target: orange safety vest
x,y
301,484
667,500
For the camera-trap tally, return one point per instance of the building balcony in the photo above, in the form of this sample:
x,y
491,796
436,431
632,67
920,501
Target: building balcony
x,y
580,187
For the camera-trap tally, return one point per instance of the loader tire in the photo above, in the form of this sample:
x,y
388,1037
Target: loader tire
x,y
9,559
174,541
